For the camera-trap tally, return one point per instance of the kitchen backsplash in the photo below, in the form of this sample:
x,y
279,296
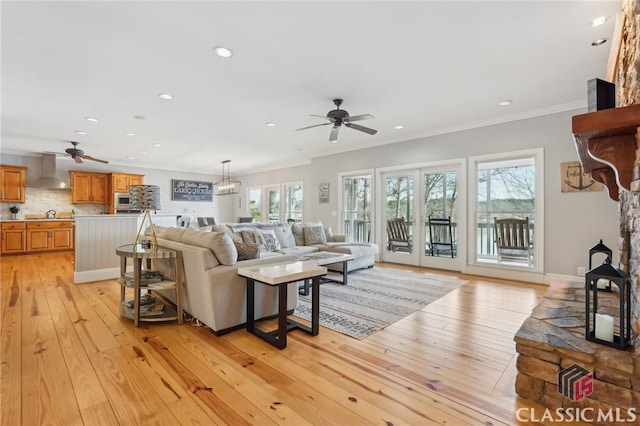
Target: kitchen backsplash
x,y
38,200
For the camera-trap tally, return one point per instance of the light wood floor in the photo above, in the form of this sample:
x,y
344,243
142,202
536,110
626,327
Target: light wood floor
x,y
68,358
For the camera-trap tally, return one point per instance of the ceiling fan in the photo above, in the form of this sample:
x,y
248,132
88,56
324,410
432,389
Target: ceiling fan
x,y
77,154
338,117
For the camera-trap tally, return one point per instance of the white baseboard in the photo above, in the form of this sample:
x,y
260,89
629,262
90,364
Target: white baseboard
x,y
550,278
507,274
97,275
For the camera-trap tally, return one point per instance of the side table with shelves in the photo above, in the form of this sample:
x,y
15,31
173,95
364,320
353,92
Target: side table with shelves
x,y
137,282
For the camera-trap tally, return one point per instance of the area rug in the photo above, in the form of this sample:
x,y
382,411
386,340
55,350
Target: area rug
x,y
375,298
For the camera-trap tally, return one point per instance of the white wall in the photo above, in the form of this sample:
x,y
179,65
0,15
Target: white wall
x,y
574,222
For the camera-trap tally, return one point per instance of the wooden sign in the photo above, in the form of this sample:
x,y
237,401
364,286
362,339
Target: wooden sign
x,y
191,190
574,179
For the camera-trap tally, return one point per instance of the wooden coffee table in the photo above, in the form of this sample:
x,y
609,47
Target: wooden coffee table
x,y
280,275
323,258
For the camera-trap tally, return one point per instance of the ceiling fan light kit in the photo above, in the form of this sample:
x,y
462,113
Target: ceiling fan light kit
x,y
226,185
338,117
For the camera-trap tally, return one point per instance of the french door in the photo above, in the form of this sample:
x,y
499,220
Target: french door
x,y
410,198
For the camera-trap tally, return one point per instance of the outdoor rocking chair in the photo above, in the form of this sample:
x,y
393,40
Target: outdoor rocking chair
x,y
513,239
441,235
398,235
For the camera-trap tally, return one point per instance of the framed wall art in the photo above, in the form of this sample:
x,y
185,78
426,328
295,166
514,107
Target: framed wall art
x,y
324,192
191,190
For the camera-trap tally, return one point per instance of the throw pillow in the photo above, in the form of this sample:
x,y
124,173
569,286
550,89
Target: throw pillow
x,y
298,234
247,251
314,235
248,237
270,240
328,233
285,235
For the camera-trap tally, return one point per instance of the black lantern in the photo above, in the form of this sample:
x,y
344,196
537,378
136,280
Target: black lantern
x,y
600,248
600,328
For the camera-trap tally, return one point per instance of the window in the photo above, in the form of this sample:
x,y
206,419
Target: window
x,y
293,202
506,188
356,207
267,204
254,195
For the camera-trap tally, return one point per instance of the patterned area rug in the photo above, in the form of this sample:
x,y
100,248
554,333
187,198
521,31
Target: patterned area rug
x,y
375,298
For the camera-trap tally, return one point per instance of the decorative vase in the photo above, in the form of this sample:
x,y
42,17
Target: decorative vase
x,y
14,216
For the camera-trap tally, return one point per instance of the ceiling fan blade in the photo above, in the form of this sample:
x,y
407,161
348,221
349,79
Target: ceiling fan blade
x,y
77,159
359,117
322,116
88,157
315,125
361,128
334,134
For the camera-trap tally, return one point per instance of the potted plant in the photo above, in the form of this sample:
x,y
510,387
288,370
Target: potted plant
x,y
14,211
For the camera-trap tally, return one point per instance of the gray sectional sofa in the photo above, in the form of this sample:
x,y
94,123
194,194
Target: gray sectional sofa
x,y
213,292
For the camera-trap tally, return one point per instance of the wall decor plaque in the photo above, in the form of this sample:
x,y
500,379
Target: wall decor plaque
x,y
191,190
574,179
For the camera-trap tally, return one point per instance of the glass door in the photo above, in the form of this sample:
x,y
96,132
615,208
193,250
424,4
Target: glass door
x,y
272,203
441,221
399,244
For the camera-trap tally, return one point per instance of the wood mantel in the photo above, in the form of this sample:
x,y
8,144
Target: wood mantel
x,y
606,144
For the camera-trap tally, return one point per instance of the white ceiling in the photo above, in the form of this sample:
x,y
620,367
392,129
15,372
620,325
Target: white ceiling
x,y
433,67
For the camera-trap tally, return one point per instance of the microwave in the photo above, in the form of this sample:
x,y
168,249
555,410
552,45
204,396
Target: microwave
x,y
121,203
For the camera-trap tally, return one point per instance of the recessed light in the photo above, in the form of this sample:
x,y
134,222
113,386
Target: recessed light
x,y
223,52
336,141
599,21
142,152
399,127
81,132
139,117
130,157
93,120
599,42
270,124
165,96
129,134
506,102
157,145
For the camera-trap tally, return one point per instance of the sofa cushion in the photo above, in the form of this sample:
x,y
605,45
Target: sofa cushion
x,y
299,250
356,249
314,235
247,251
174,234
220,244
235,236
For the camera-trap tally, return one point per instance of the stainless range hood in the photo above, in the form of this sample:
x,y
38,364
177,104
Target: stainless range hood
x,y
48,179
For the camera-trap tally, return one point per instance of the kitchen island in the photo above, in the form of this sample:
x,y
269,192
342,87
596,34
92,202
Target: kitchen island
x,y
98,236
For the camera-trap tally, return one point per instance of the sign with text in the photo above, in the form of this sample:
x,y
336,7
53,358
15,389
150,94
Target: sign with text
x,y
191,190
574,179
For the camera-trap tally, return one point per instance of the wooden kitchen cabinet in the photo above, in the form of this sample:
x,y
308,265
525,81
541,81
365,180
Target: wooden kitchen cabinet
x,y
12,184
13,238
88,187
49,235
120,182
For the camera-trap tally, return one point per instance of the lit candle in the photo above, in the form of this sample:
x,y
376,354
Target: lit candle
x,y
604,327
